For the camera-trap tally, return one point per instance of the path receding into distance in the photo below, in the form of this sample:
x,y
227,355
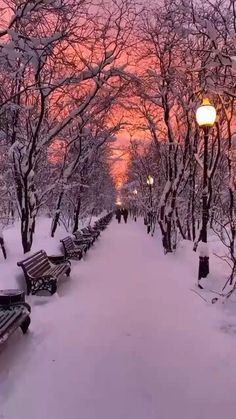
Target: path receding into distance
x,y
124,338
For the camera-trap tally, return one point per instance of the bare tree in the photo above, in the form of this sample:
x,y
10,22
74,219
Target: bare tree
x,y
53,80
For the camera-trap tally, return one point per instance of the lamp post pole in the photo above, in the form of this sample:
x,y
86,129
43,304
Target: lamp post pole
x,y
203,270
135,205
150,181
206,116
205,210
150,189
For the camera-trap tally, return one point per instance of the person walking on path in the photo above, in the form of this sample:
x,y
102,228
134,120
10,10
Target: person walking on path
x,y
118,215
125,214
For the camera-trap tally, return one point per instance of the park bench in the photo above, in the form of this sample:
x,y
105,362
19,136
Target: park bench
x,y
94,230
88,235
13,314
42,271
73,250
89,231
100,225
83,239
103,222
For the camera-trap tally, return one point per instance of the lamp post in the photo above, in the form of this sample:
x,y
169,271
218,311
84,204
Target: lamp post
x,y
135,192
205,116
150,181
118,202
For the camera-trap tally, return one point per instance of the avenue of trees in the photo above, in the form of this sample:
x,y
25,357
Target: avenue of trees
x,y
75,73
188,52
62,70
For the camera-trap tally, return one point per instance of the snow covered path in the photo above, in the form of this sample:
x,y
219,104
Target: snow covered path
x,y
123,339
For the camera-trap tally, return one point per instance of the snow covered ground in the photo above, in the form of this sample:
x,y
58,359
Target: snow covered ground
x,y
125,337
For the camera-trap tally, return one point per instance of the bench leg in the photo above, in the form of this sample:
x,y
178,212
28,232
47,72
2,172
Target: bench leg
x,y
68,271
49,285
53,288
25,325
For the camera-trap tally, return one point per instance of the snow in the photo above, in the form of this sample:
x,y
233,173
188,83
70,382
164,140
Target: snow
x,y
125,337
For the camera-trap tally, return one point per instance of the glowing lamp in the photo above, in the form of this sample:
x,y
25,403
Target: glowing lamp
x,y
118,202
150,180
206,114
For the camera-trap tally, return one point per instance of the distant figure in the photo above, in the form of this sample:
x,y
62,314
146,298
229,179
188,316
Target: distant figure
x,y
134,213
2,244
118,215
125,214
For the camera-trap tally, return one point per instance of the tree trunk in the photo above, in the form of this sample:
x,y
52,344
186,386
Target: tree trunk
x,y
76,216
27,201
166,235
193,217
26,232
178,223
57,214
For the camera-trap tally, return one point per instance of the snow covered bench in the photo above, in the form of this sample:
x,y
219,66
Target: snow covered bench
x,y
14,313
100,225
73,250
11,318
42,271
89,231
93,230
83,239
103,222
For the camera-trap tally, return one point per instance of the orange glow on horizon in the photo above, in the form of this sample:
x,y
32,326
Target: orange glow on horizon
x,y
56,151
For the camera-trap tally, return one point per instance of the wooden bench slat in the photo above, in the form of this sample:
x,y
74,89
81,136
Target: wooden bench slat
x,y
17,315
56,270
4,315
40,253
39,268
10,319
37,263
34,261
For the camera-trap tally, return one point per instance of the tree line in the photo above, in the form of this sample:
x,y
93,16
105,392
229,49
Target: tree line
x,y
75,73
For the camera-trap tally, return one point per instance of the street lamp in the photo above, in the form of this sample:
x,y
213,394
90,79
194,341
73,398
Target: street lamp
x,y
118,202
135,191
205,116
150,181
